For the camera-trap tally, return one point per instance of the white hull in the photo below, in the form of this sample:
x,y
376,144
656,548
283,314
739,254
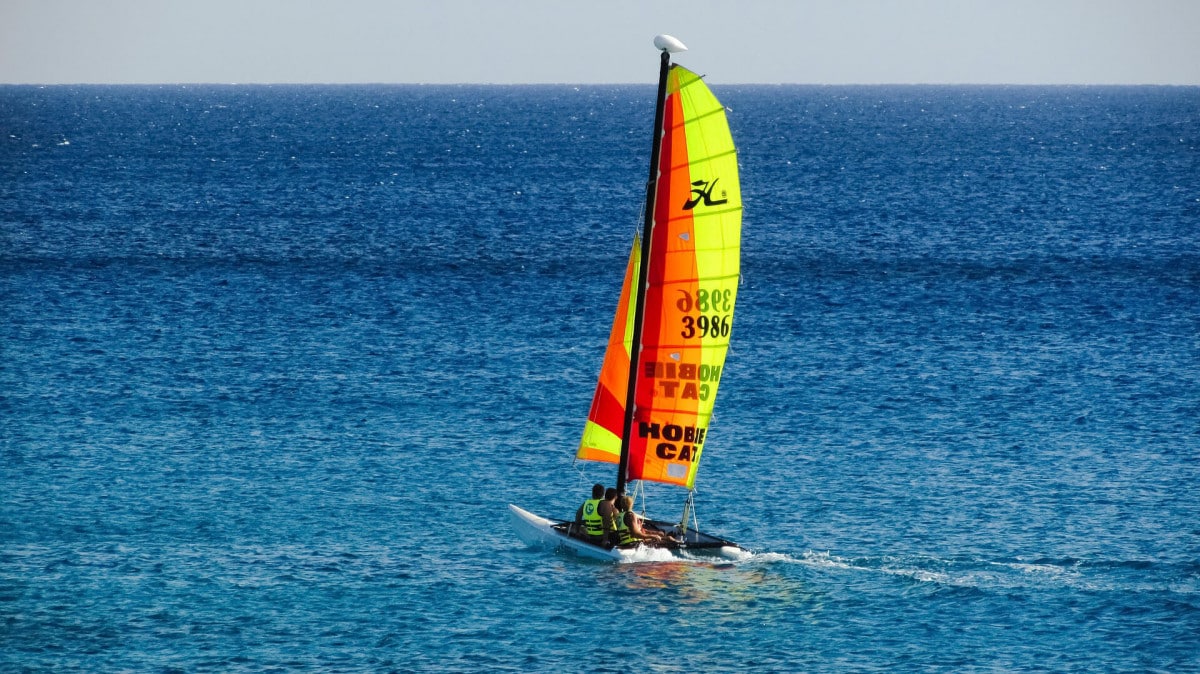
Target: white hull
x,y
538,531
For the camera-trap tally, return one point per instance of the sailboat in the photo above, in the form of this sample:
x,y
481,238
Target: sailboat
x,y
666,351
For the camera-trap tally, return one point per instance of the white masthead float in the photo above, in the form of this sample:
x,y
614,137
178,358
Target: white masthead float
x,y
668,44
662,366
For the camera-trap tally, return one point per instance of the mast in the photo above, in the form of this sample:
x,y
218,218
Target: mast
x,y
667,45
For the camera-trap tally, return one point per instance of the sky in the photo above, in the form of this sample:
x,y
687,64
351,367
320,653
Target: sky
x,y
577,42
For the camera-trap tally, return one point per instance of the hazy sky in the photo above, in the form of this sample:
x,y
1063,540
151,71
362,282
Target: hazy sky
x,y
606,41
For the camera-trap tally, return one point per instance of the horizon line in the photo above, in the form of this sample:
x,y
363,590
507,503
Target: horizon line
x,y
597,84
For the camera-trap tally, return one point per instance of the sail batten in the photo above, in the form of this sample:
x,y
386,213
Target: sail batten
x,y
688,281
712,113
710,214
716,155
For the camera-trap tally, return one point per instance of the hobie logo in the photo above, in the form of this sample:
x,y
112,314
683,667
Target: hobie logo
x,y
702,189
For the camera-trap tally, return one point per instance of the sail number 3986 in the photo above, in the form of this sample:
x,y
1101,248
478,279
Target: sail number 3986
x,y
714,308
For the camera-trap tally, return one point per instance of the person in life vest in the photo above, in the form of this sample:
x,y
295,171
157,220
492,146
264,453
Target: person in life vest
x,y
589,524
630,529
608,518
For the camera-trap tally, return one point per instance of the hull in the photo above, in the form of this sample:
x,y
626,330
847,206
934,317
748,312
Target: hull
x,y
537,531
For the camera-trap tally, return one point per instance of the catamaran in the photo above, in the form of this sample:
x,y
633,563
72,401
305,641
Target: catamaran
x,y
658,382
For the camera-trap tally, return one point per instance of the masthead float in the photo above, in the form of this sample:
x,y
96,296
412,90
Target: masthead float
x,y
668,44
666,350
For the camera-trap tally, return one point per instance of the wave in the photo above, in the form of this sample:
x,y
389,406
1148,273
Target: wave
x,y
1180,577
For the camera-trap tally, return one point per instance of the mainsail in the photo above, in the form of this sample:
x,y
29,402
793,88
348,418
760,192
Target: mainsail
x,y
688,290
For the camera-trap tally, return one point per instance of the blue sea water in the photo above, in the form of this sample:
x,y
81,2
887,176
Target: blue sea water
x,y
273,360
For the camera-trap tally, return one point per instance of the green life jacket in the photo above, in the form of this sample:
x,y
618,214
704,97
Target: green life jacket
x,y
624,535
593,524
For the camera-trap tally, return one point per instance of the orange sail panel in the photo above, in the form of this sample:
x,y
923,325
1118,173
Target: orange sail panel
x,y
692,276
602,433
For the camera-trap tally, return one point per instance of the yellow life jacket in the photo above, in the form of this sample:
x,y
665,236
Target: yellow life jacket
x,y
624,535
593,524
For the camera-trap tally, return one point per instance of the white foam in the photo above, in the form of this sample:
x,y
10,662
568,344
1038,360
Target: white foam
x,y
643,554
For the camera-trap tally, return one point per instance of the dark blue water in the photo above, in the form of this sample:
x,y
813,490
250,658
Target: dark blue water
x,y
274,360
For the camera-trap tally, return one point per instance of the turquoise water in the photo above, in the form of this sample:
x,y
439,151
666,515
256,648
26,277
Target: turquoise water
x,y
275,359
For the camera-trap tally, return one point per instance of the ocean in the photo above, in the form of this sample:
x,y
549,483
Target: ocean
x,y
275,359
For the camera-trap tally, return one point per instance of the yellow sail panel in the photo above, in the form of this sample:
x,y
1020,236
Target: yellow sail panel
x,y
693,273
606,419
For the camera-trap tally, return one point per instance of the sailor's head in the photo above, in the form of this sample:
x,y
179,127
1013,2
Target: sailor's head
x,y
597,491
626,503
610,494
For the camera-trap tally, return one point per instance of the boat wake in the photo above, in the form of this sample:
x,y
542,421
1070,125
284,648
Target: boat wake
x,y
643,555
1006,574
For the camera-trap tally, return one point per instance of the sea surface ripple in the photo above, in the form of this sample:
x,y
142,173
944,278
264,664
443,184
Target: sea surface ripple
x,y
274,360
